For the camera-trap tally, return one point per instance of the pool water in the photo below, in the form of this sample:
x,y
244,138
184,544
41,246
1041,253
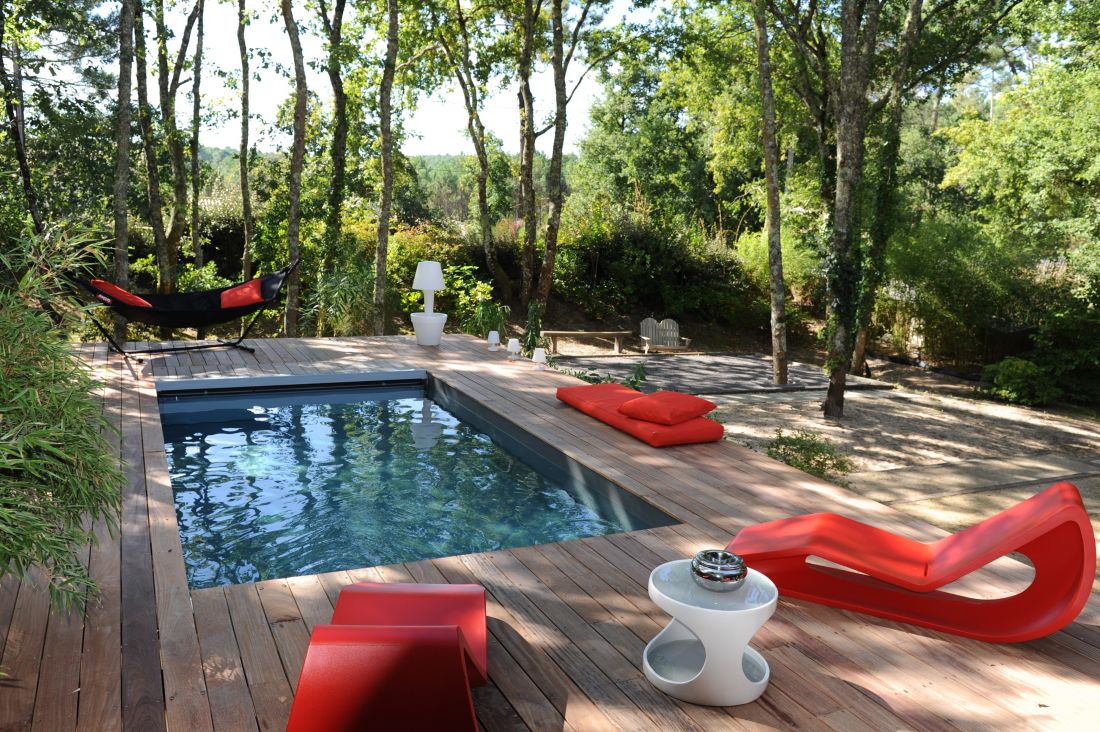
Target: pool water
x,y
285,484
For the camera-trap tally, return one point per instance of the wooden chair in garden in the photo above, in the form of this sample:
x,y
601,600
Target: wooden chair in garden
x,y
663,336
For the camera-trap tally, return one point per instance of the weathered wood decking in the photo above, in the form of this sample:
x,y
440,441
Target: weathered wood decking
x,y
568,622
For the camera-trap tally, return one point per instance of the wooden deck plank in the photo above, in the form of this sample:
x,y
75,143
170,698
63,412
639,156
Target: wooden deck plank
x,y
142,691
566,621
287,626
231,705
23,651
267,681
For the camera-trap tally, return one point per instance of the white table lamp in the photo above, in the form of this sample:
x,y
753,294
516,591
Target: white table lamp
x,y
539,357
494,340
428,325
513,349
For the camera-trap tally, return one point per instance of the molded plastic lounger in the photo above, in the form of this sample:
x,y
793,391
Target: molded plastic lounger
x,y
602,401
901,577
397,656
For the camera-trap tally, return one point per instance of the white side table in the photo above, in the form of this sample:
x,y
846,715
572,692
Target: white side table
x,y
703,656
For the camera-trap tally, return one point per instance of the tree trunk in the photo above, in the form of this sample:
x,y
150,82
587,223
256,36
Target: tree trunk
x,y
123,119
246,195
385,114
297,155
338,151
145,119
859,26
771,175
196,121
554,182
13,106
527,151
462,65
168,83
884,213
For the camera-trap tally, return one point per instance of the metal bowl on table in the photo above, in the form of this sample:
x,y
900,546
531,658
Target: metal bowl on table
x,y
718,570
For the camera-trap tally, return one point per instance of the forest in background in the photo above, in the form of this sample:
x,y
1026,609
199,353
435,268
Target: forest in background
x,y
934,184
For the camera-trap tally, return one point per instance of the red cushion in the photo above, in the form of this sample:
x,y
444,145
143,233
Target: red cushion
x,y
602,401
247,294
126,298
667,407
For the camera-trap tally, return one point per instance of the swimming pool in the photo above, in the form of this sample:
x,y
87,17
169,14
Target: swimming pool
x,y
279,483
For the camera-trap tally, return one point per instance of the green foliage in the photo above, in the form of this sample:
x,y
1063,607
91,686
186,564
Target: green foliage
x,y
197,279
634,381
470,299
811,453
532,337
612,263
58,475
1021,381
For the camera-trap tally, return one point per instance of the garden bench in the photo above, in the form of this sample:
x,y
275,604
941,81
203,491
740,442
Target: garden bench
x,y
553,335
663,336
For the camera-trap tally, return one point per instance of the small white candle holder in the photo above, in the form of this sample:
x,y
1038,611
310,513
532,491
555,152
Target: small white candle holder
x,y
513,349
494,340
539,358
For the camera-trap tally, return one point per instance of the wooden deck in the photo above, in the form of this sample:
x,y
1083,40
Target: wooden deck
x,y
568,621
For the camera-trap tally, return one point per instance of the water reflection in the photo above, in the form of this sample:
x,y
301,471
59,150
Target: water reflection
x,y
273,490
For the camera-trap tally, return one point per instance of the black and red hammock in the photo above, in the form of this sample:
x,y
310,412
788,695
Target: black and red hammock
x,y
189,309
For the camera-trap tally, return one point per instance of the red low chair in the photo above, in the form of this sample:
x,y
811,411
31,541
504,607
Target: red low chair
x,y
397,656
899,578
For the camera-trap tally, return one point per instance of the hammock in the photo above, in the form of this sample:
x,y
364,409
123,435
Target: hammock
x,y
189,309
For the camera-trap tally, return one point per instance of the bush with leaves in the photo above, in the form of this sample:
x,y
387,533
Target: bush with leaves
x,y
1021,381
811,453
58,475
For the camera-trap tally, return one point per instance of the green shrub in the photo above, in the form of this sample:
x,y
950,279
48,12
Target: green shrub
x,y
532,333
1021,381
811,453
197,279
58,476
623,264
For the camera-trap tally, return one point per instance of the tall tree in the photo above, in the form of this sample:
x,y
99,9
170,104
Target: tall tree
x,y
472,64
771,176
385,115
334,32
123,119
858,38
527,23
243,151
561,58
297,157
196,120
14,108
168,83
148,139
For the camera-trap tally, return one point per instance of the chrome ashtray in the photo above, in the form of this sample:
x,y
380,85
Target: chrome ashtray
x,y
718,570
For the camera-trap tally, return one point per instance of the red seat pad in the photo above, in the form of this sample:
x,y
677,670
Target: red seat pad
x,y
247,294
124,297
602,401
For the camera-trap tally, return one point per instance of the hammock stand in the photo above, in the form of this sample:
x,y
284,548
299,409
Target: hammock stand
x,y
189,309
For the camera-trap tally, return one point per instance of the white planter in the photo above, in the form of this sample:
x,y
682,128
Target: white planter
x,y
428,327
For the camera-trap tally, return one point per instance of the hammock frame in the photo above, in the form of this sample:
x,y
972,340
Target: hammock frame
x,y
189,309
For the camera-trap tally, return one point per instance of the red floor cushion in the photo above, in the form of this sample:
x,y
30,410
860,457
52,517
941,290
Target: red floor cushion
x,y
602,401
667,407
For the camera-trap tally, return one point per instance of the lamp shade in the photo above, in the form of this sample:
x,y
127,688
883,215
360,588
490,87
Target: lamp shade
x,y
539,356
513,345
429,276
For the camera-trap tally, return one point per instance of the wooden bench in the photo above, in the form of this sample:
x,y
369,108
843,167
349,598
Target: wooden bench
x,y
554,335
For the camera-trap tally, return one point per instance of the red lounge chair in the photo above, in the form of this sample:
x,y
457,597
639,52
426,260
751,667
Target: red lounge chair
x,y
397,656
900,578
602,401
